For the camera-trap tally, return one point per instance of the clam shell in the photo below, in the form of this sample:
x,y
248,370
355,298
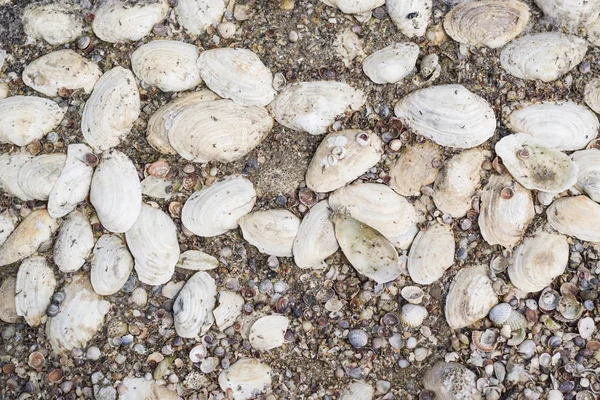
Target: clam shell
x,y
569,307
74,242
431,254
169,65
111,265
412,294
38,175
411,17
245,378
313,106
8,221
503,314
342,157
8,311
194,305
33,290
357,391
35,229
570,13
419,159
591,94
216,209
267,332
588,177
271,232
487,23
230,307
545,56
10,164
315,240
392,63
237,74
548,300
121,21
158,188
56,23
470,297
450,115
575,216
354,6
485,341
197,15
413,315
115,192
24,119
451,381
195,260
111,110
140,388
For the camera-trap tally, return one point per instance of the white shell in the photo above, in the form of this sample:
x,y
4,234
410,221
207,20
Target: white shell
x,y
120,20
61,69
140,388
8,221
271,232
593,32
194,305
268,332
591,94
431,254
419,159
237,74
245,378
73,183
111,110
56,23
588,177
413,315
543,168
195,260
410,16
10,164
34,288
451,381
545,56
8,311
470,297
354,6
35,229
357,391
38,175
169,65
159,188
111,265
153,243
392,63
329,170
450,115
230,307
315,240
24,119
313,106
197,15
74,242
115,192
216,209
575,216
570,13
561,125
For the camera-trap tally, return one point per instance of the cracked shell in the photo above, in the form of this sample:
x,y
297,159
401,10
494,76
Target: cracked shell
x,y
194,306
357,391
431,254
588,177
34,288
576,216
245,377
315,240
74,242
230,307
36,228
271,232
354,6
392,63
120,21
570,13
24,119
197,15
268,332
411,17
10,164
451,381
140,388
111,265
419,159
38,175
56,23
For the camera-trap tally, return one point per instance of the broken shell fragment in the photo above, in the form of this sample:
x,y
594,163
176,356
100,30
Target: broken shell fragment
x,y
412,315
575,216
38,176
10,165
354,6
8,311
8,221
195,260
140,388
451,381
591,94
271,232
111,265
431,254
24,119
588,177
35,229
268,332
56,23
120,21
197,15
411,17
315,240
357,391
74,242
194,305
570,13
245,378
34,288
392,63
230,307
420,160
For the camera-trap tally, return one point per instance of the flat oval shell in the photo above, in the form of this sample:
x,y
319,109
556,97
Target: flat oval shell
x,y
56,23
245,377
570,13
419,160
588,177
315,240
576,216
431,254
271,232
194,305
357,391
111,265
392,63
74,242
10,164
411,17
38,176
36,228
268,332
8,311
34,288
230,307
24,119
197,15
120,21
195,260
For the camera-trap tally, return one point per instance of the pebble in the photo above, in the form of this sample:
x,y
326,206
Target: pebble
x,y
293,36
226,30
382,386
403,363
421,354
411,342
83,42
93,353
139,297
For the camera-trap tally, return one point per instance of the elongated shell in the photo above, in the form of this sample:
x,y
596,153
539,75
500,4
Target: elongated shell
x,y
545,56
121,21
197,15
410,16
313,106
230,307
431,254
357,391
38,176
451,381
194,305
37,227
8,221
415,168
576,216
315,240
354,6
195,260
115,192
111,265
24,119
535,165
169,65
271,232
470,297
591,94
74,242
140,388
488,23
216,209
111,110
268,332
392,63
34,288
245,378
8,311
56,23
10,164
341,158
570,13
588,177
450,115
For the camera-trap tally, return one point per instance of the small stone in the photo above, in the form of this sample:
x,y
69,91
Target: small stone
x,y
93,353
421,354
383,387
403,363
411,343
173,378
83,42
293,36
139,297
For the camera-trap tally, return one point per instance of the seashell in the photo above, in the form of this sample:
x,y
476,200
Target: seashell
x,y
111,265
268,332
357,391
36,360
245,378
33,289
170,65
431,254
503,314
38,175
56,23
271,232
586,327
237,74
111,110
153,243
358,338
487,23
329,170
74,242
527,349
419,159
412,294
313,106
457,182
315,240
194,305
506,211
140,388
217,208
568,307
369,252
561,125
450,115
197,15
485,341
195,260
230,307
411,17
570,13
35,229
198,353
470,297
10,164
451,381
575,216
591,94
115,192
413,315
548,300
73,183
24,119
120,21
354,6
8,310
538,260
81,316
59,70
545,56
392,63
588,177
8,221
158,188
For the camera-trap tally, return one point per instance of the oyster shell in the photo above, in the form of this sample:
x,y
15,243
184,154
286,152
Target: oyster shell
x,y
24,119
357,391
140,388
230,307
342,157
197,15
431,254
8,221
411,17
545,56
10,164
354,6
111,265
315,240
195,260
8,311
588,177
194,305
470,297
420,160
33,290
392,63
451,381
267,332
271,232
570,13
74,242
313,106
245,378
575,216
56,23
38,176
450,115
121,21
37,227
591,94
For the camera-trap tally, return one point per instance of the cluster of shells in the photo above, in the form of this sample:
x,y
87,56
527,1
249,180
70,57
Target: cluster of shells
x,y
456,171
